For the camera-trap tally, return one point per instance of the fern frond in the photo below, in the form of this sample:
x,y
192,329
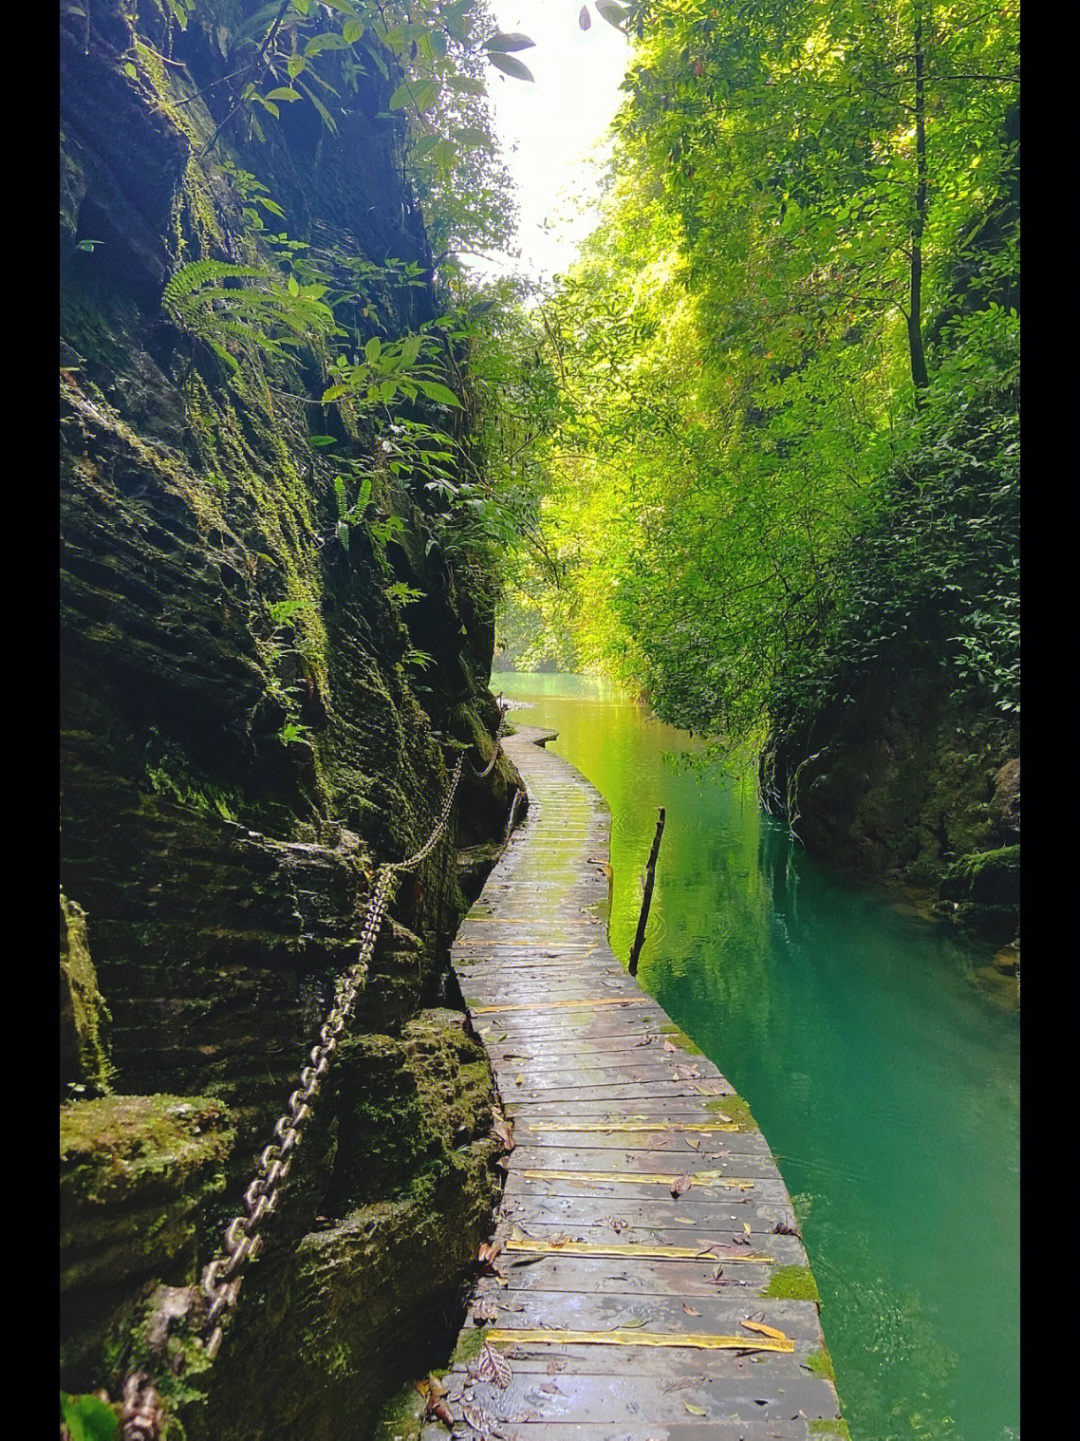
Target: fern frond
x,y
190,277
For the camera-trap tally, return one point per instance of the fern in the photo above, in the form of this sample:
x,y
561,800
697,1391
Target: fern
x,y
252,320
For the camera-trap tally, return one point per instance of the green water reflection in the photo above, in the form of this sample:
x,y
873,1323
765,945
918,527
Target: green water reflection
x,y
883,1072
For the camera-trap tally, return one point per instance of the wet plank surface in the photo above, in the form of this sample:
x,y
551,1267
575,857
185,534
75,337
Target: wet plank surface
x,y
644,1222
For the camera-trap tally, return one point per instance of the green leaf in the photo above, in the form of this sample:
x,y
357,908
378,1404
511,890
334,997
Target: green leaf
x,y
365,495
352,30
424,146
444,154
509,66
323,440
424,96
283,92
294,65
129,69
88,1418
400,97
443,394
505,43
340,495
473,138
612,12
373,349
343,533
294,285
334,393
379,61
328,41
88,245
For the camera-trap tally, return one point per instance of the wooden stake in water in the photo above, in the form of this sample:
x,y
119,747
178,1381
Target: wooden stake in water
x,y
646,899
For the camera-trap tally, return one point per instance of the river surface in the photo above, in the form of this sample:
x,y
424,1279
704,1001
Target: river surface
x,y
879,1059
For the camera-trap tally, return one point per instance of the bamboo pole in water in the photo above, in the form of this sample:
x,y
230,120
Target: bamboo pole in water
x,y
646,899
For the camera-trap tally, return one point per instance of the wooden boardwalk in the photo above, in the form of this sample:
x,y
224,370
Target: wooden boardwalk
x,y
639,1225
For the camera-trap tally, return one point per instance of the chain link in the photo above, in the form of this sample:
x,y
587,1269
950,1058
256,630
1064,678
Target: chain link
x,y
482,775
141,1415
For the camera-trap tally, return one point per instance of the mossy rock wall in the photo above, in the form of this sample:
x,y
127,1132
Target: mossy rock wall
x,y
902,783
231,780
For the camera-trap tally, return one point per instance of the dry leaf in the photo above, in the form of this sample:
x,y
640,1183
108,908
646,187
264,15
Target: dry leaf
x,y
503,1133
693,1142
746,1228
479,1419
690,1311
559,1239
645,1041
485,1310
764,1330
495,1367
783,1229
682,1185
695,1410
669,1047
617,1224
550,1387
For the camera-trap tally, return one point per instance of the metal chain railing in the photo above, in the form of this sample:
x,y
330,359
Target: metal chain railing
x,y
141,1414
482,775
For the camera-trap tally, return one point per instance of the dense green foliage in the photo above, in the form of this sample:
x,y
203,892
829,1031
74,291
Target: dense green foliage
x,y
786,429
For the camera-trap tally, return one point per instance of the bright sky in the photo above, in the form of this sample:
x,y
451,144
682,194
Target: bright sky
x,y
549,129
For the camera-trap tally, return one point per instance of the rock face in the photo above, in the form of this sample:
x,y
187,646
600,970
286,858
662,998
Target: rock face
x,y
245,736
903,785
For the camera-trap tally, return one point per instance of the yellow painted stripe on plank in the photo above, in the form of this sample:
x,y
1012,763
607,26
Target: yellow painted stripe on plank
x,y
627,1250
607,1127
497,1336
705,1179
550,1005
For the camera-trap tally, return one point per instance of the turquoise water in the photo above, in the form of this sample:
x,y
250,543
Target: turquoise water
x,y
882,1066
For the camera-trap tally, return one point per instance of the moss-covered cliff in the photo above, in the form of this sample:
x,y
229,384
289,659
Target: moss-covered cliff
x,y
255,711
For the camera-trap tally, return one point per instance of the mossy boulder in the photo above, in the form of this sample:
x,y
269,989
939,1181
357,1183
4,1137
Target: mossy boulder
x,y
137,1174
983,891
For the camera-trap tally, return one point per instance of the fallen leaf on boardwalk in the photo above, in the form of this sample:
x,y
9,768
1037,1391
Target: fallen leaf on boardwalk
x,y
519,1080
764,1330
682,1383
503,1133
645,1041
550,1387
503,1163
746,1228
486,1258
682,1185
559,1239
555,1365
695,1410
479,1419
617,1224
485,1310
737,1240
633,1322
690,1311
693,1142
783,1229
495,1367
718,1272
669,1047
